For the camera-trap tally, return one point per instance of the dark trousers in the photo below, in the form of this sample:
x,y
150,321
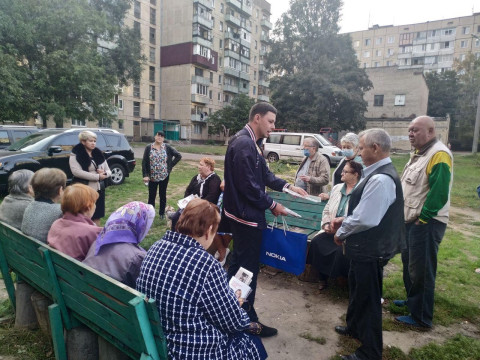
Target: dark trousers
x,y
247,242
364,314
162,194
420,268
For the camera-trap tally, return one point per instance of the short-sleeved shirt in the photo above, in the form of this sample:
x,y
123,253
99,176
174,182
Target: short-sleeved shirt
x,y
158,164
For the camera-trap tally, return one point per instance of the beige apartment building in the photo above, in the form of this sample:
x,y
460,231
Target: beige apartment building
x,y
430,46
200,55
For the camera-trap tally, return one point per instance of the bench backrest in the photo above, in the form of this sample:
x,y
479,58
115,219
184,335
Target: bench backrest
x,y
115,311
310,211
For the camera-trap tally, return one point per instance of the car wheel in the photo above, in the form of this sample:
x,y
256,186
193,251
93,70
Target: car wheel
x,y
118,174
272,157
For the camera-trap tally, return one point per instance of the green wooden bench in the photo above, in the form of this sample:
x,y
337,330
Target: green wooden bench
x,y
311,212
82,295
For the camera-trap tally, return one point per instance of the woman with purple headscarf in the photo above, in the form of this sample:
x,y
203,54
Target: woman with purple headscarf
x,y
116,252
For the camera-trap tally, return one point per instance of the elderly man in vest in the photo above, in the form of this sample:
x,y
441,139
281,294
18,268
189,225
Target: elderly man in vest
x,y
372,233
426,182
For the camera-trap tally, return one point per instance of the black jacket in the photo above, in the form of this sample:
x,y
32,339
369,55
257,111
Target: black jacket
x,y
211,188
246,175
173,157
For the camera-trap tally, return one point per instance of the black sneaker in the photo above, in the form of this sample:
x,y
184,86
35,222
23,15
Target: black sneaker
x,y
267,331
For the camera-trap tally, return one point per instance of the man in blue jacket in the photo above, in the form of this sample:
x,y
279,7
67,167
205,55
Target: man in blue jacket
x,y
245,199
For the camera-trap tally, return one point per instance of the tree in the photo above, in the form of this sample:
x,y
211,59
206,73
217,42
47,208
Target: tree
x,y
65,58
468,89
442,87
231,118
318,82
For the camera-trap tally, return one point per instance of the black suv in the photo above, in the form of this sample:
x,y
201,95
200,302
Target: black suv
x,y
52,148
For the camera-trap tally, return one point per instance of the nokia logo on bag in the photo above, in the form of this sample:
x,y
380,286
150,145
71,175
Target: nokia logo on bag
x,y
276,256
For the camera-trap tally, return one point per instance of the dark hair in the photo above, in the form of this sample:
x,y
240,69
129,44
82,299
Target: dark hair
x,y
261,108
197,217
356,167
161,133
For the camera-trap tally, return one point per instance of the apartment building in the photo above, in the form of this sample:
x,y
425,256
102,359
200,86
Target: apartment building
x,y
430,46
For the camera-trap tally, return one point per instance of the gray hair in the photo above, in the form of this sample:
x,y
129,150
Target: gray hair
x,y
313,142
350,138
377,136
86,134
19,182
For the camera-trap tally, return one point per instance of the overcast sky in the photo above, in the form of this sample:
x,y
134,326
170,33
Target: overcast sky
x,y
360,14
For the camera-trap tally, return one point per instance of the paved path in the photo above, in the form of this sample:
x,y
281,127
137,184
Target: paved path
x,y
186,156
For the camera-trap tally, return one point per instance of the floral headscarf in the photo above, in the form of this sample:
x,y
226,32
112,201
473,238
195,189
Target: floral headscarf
x,y
128,224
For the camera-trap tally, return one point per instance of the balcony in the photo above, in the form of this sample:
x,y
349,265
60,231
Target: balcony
x,y
232,54
245,43
230,88
200,80
199,99
261,67
247,27
231,71
203,21
232,20
199,117
264,38
232,36
202,41
244,90
206,3
240,6
404,55
245,60
263,52
266,24
265,83
263,98
244,76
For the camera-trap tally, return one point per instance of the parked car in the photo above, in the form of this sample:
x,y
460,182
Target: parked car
x,y
12,133
52,148
289,145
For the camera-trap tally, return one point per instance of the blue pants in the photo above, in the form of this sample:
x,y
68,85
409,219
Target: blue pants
x,y
420,268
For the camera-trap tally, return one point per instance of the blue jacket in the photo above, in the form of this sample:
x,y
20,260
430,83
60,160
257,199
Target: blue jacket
x,y
246,175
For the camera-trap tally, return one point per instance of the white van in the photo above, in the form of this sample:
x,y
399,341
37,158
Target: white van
x,y
289,145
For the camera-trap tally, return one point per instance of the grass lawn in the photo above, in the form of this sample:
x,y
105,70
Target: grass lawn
x,y
458,286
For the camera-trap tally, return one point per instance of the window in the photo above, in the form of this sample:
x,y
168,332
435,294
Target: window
x,y
210,95
151,92
136,108
219,79
356,43
256,44
399,100
367,42
120,124
462,57
201,89
378,100
153,16
136,90
136,27
463,43
391,39
152,54
366,54
378,52
221,26
197,128
4,140
466,30
448,32
219,97
211,77
151,111
151,73
152,35
255,59
136,9
254,75
153,2
390,52
389,63
376,64
254,90
378,41
477,42
220,44
292,139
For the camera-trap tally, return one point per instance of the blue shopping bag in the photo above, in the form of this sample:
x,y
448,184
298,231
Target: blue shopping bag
x,y
284,250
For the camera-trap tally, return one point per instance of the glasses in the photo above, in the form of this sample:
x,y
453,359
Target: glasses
x,y
347,172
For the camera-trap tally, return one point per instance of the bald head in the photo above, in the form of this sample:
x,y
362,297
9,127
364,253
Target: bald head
x,y
421,131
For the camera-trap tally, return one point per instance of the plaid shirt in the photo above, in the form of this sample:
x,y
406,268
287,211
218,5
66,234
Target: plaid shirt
x,y
200,314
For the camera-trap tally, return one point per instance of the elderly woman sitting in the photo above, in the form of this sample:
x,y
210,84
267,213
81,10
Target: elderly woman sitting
x,y
116,252
200,314
75,232
48,185
206,185
13,205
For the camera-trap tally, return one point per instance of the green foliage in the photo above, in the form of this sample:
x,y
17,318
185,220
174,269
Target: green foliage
x,y
319,83
231,118
64,58
441,86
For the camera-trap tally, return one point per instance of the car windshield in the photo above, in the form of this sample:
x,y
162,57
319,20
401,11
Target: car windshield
x,y
322,140
33,142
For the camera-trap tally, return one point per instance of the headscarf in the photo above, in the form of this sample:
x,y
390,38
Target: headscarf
x,y
128,224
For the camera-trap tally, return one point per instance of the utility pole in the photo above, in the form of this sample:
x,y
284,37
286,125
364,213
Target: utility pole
x,y
477,126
